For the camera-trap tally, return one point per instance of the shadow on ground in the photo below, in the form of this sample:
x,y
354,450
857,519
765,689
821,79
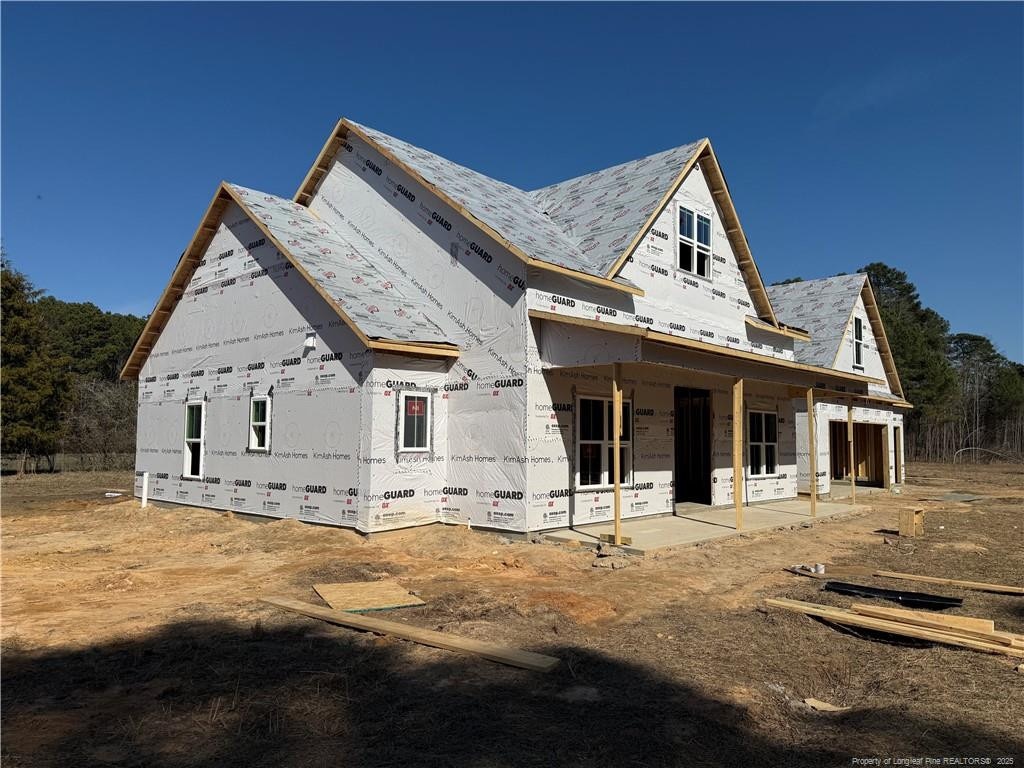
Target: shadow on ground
x,y
304,694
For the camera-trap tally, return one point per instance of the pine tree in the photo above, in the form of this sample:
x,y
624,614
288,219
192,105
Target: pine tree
x,y
33,380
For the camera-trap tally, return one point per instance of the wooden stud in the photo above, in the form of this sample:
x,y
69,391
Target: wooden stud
x,y
886,461
976,585
737,450
938,620
853,465
812,452
616,445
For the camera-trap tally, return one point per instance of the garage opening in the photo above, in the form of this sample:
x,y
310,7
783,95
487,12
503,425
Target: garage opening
x,y
868,453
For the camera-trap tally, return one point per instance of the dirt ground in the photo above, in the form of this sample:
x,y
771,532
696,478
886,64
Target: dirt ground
x,y
136,637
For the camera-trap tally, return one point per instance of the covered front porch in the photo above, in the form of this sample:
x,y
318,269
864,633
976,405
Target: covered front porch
x,y
679,445
698,524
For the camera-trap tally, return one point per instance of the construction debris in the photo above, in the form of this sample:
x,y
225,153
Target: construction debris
x,y
949,636
915,599
981,629
977,585
367,595
823,706
854,570
502,654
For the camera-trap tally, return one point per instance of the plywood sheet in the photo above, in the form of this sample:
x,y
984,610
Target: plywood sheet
x,y
367,595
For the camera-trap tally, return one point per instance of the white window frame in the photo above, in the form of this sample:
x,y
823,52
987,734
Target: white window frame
x,y
402,398
607,481
694,242
762,443
253,447
858,343
201,440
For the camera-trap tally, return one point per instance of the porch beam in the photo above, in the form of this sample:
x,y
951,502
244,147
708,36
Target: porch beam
x,y
853,466
616,443
813,451
737,450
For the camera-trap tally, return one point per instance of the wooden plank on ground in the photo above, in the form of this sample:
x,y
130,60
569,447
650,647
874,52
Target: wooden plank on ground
x,y
944,624
367,595
502,654
912,617
977,585
842,616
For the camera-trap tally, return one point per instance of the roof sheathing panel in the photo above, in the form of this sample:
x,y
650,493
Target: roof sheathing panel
x,y
379,303
823,309
603,211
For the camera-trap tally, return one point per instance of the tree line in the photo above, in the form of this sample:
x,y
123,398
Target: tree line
x,y
59,379
61,393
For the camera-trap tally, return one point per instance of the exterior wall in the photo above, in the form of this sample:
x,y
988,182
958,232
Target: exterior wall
x,y
826,411
552,430
870,356
239,329
404,488
675,302
477,287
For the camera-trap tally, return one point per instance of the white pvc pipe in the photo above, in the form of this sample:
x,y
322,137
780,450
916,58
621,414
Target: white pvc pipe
x,y
145,489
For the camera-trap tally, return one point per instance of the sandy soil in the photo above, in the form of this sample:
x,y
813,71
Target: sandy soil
x,y
136,637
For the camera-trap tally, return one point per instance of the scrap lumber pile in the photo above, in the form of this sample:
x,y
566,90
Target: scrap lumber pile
x,y
967,632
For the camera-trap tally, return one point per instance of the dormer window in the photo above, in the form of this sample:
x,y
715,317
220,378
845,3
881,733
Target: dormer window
x,y
694,242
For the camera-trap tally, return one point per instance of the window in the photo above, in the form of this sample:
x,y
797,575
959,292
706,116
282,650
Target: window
x,y
594,443
858,343
763,443
694,248
195,437
259,424
414,418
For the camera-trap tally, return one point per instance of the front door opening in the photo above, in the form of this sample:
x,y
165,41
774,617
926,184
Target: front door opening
x,y
692,480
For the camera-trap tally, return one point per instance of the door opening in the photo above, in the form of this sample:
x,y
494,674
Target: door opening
x,y
692,481
868,458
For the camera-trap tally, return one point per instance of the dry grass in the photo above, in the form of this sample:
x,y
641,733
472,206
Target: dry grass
x,y
134,637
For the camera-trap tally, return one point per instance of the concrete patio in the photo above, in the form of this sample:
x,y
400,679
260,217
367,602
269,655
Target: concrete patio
x,y
698,524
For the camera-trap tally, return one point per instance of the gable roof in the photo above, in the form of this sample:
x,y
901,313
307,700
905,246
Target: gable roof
x,y
601,212
383,309
825,309
584,227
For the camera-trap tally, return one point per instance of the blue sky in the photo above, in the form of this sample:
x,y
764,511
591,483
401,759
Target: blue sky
x,y
849,133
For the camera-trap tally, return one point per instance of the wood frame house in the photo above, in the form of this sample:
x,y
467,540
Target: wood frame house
x,y
408,341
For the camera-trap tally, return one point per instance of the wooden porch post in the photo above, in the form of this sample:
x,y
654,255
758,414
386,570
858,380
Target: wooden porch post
x,y
616,442
737,450
812,451
853,466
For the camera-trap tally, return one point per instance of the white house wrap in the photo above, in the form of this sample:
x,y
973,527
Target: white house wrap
x,y
410,342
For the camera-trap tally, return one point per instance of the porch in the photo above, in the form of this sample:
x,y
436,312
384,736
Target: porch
x,y
697,524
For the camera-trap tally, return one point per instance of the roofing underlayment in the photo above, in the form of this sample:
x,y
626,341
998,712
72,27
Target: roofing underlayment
x,y
582,224
381,302
820,307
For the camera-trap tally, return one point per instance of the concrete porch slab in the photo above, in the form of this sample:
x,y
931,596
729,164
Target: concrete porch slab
x,y
694,526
